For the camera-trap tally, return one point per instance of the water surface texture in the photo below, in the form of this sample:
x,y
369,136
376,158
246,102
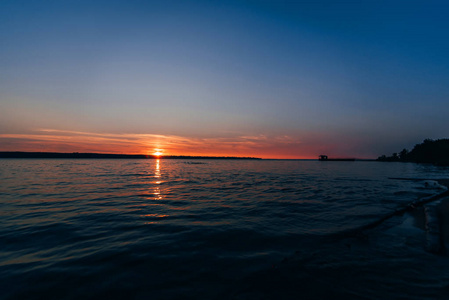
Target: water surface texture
x,y
214,229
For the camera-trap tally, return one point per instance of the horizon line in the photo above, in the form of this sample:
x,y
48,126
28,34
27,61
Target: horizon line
x,y
98,155
50,154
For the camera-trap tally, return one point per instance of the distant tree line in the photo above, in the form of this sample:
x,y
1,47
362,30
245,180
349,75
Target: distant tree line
x,y
429,151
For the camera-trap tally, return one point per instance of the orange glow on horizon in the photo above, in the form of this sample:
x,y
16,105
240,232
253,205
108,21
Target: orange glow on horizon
x,y
261,146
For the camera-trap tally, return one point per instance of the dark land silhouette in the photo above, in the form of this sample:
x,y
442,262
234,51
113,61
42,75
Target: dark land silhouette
x,y
17,154
429,151
326,158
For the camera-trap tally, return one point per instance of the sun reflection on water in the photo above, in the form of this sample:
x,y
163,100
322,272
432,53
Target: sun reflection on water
x,y
157,174
156,195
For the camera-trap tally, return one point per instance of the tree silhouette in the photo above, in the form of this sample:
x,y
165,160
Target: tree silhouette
x,y
429,151
403,154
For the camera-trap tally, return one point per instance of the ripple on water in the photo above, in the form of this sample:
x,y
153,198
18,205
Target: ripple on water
x,y
218,229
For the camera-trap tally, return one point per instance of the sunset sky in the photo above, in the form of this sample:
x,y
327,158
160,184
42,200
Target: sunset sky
x,y
271,79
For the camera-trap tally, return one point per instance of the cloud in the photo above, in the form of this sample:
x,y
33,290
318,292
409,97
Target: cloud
x,y
79,141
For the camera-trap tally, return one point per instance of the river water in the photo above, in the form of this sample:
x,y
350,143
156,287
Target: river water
x,y
215,229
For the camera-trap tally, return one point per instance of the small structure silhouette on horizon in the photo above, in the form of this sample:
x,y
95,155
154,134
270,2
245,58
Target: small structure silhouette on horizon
x,y
326,158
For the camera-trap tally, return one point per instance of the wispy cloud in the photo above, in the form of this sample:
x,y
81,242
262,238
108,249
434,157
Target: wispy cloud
x,y
71,141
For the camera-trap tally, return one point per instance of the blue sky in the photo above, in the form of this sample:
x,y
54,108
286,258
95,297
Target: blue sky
x,y
265,78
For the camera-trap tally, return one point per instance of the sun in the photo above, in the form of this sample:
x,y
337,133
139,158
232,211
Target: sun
x,y
157,152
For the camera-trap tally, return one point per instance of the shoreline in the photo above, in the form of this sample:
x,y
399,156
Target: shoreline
x,y
432,216
443,212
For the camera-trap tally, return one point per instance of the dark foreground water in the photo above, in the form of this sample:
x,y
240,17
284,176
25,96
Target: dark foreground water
x,y
214,229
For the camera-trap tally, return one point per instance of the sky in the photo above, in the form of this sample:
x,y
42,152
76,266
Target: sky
x,y
270,79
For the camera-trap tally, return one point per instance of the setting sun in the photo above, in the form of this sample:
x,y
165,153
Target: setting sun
x,y
157,152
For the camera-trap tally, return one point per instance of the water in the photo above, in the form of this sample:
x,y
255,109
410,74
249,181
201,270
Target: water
x,y
214,229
